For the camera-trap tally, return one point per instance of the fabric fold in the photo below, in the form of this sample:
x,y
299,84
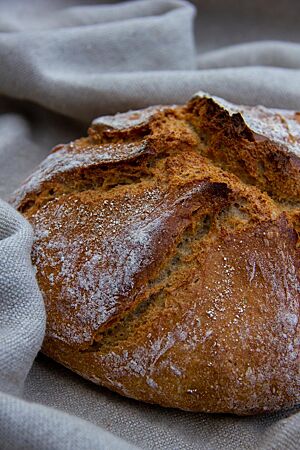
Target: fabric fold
x,y
28,426
22,314
265,53
63,63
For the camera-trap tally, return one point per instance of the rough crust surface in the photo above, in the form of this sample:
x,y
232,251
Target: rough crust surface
x,y
166,248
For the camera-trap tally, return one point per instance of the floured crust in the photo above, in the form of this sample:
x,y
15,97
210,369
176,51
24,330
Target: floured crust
x,y
167,253
129,120
279,126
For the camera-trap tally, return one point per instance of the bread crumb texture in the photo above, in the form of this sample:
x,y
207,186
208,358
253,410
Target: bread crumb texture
x,y
166,249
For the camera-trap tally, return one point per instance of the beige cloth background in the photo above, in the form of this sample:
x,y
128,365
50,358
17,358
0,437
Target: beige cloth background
x,y
63,63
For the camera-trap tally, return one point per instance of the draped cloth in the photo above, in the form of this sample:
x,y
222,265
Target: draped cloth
x,y
62,63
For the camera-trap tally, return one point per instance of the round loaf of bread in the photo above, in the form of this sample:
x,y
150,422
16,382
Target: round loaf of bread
x,y
166,249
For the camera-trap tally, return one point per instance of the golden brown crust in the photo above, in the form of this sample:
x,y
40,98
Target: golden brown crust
x,y
167,253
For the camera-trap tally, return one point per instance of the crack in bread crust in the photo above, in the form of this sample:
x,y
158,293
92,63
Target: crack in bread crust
x,y
229,143
197,229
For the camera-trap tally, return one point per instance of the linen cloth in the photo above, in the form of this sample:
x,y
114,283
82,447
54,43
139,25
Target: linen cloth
x,y
62,63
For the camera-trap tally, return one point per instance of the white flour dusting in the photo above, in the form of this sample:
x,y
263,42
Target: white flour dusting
x,y
280,126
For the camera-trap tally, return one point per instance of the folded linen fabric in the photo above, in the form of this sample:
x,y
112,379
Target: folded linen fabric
x,y
62,64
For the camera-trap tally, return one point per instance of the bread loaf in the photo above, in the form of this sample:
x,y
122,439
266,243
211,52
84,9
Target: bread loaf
x,y
166,249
